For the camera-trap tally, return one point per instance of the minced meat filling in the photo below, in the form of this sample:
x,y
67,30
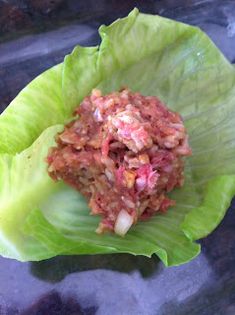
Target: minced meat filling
x,y
123,152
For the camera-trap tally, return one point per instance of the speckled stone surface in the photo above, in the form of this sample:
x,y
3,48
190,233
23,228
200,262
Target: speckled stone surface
x,y
36,35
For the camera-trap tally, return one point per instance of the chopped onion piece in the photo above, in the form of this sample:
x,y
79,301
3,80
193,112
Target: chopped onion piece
x,y
97,115
123,223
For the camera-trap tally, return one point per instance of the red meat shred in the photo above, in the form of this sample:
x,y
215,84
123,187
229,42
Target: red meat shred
x,y
129,145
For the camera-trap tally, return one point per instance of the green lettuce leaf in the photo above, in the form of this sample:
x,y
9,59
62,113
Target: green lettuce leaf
x,y
150,54
23,184
38,106
67,212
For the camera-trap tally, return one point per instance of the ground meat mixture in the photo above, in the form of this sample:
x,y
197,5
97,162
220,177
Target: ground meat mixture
x,y
123,152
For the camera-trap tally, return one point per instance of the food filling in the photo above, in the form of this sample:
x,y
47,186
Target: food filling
x,y
123,152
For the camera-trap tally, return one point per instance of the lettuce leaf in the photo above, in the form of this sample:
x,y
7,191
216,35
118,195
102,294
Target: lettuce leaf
x,y
23,184
38,106
150,54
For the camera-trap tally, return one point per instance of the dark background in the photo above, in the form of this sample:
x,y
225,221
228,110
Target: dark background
x,y
34,35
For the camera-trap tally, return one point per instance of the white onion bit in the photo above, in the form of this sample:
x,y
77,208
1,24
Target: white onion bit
x,y
97,115
123,223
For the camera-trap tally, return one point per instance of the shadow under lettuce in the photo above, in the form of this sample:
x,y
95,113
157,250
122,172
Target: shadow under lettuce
x,y
55,269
